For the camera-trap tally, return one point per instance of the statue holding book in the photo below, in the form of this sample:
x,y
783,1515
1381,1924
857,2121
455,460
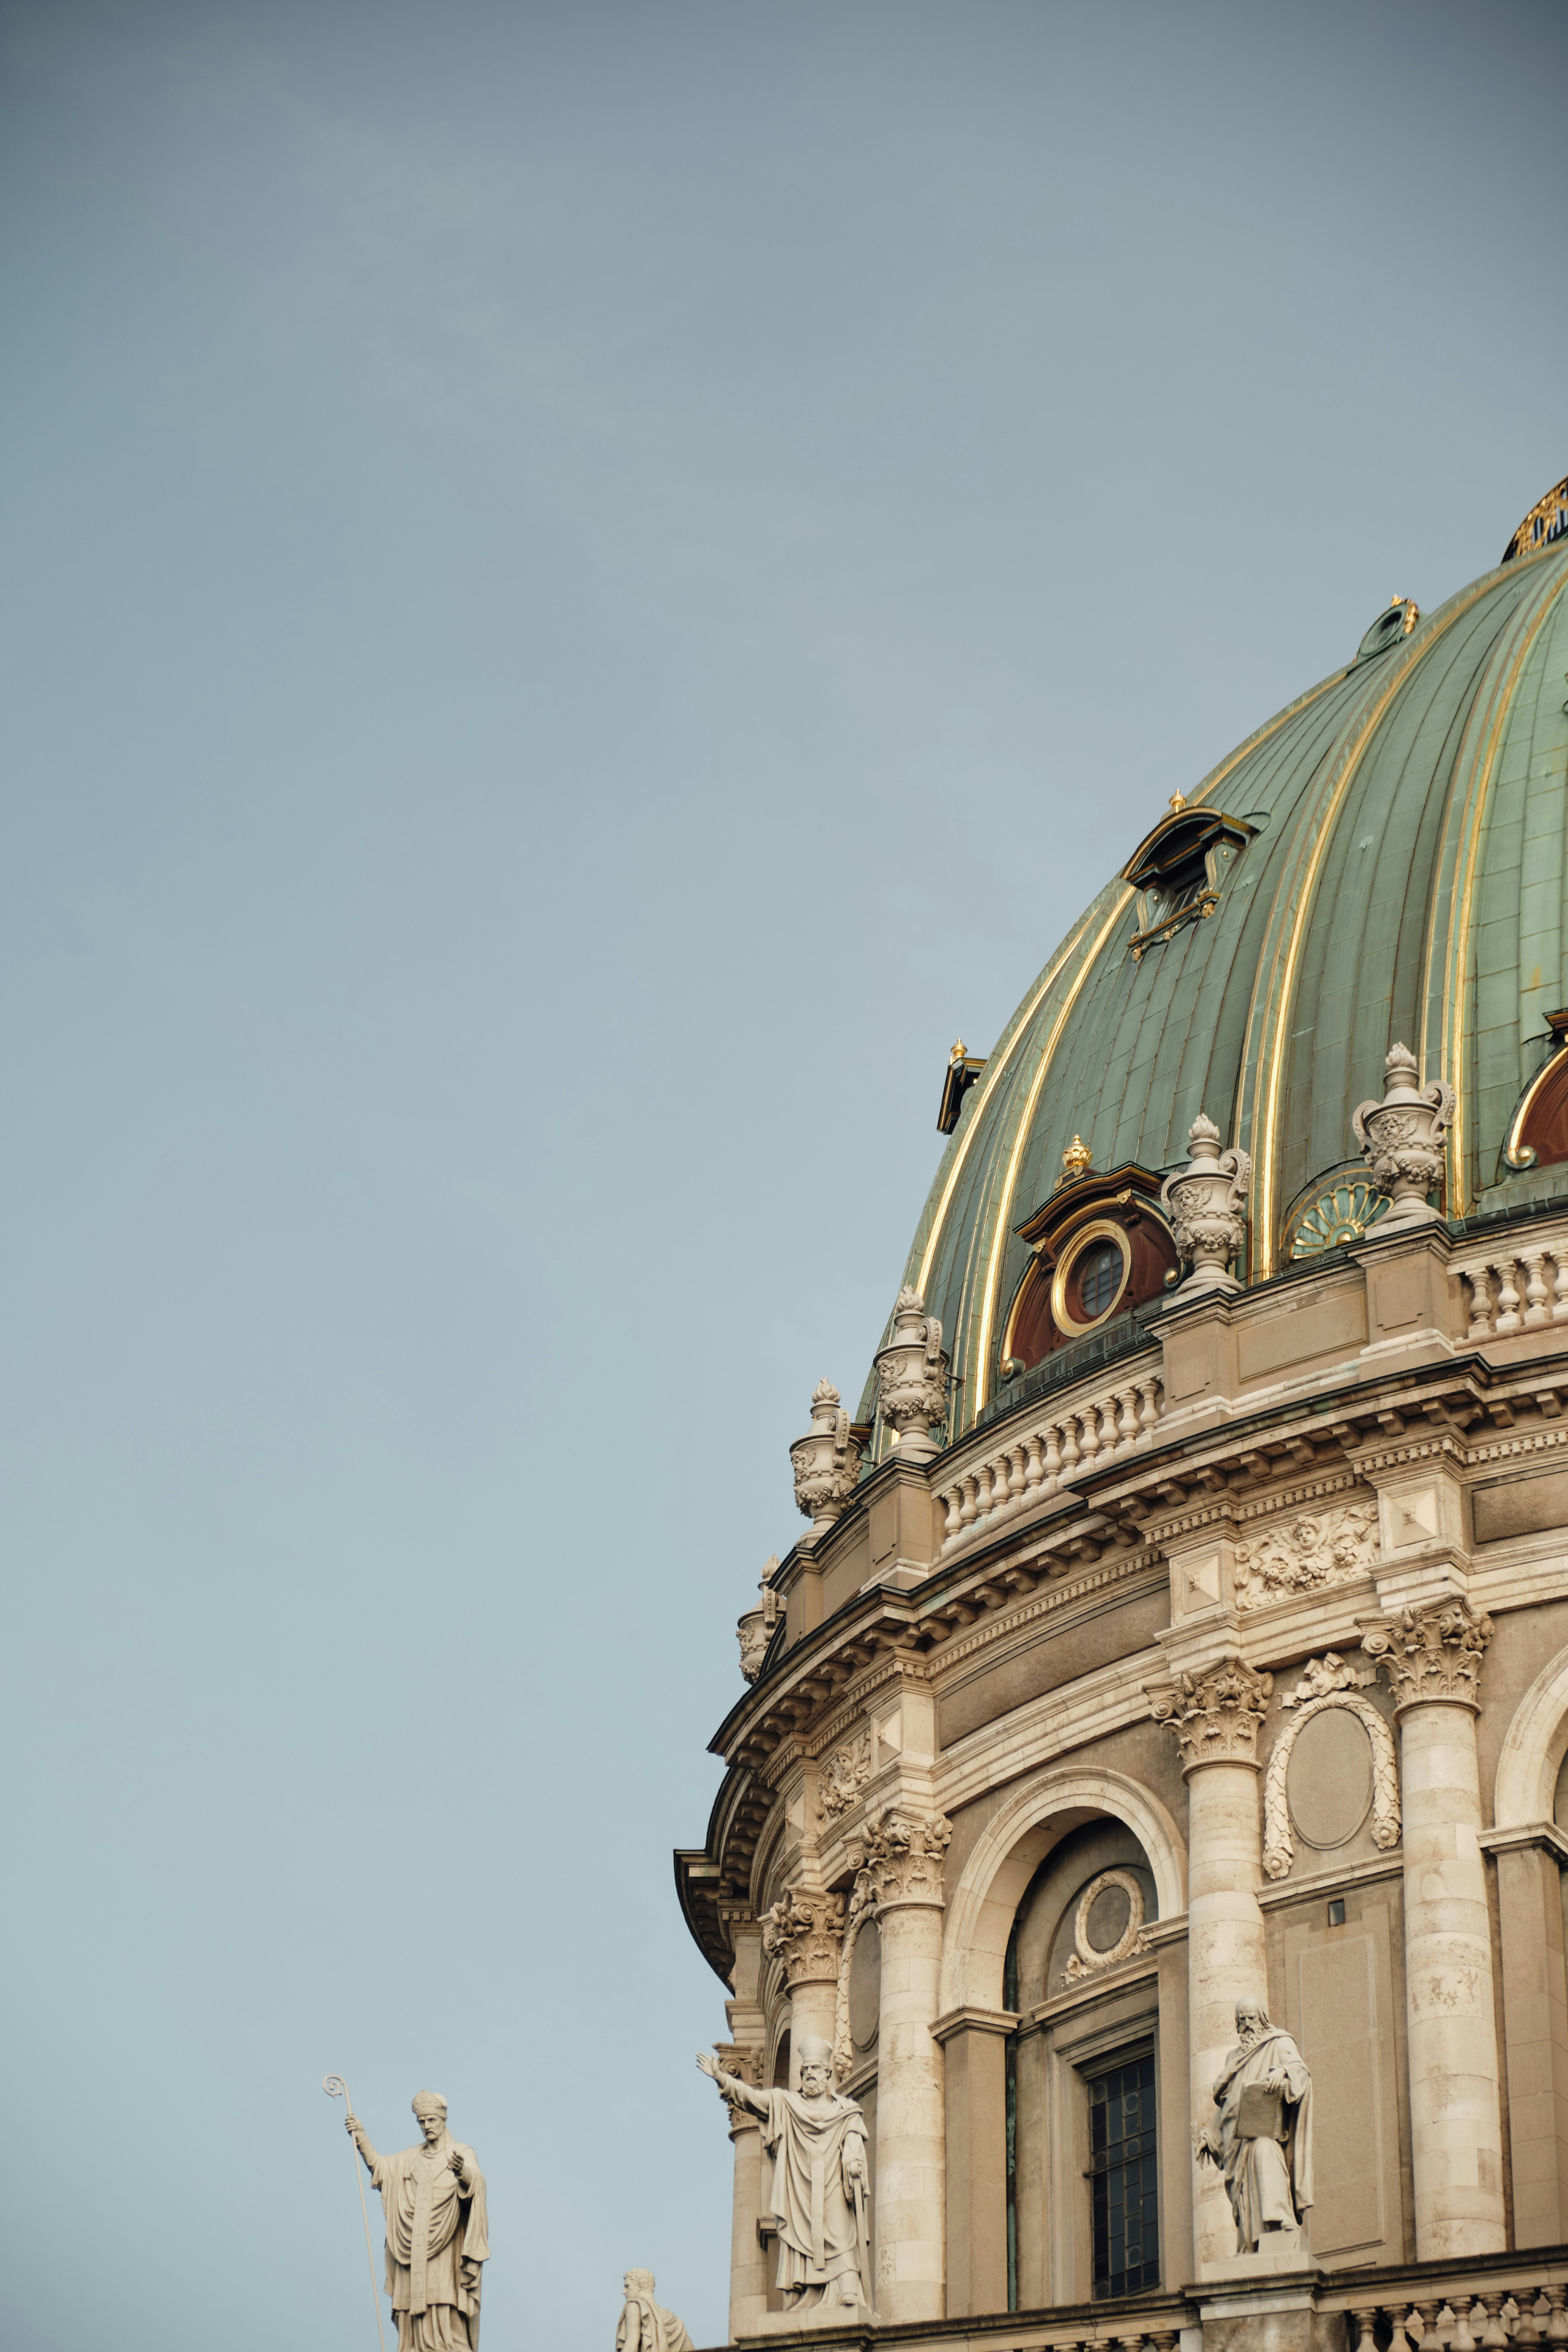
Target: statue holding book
x,y
1261,2136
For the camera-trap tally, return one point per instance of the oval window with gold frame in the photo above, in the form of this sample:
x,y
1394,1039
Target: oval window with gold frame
x,y
1090,1277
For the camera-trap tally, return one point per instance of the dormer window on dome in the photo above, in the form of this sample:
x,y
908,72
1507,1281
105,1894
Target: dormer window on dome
x,y
1099,1246
1179,869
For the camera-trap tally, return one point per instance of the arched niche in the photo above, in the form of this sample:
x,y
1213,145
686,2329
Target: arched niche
x,y
1533,1748
1032,1819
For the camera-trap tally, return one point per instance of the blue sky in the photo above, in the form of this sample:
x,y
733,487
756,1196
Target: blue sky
x,y
585,587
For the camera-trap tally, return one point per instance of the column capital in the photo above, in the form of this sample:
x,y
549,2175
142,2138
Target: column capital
x,y
1433,1653
745,2062
1215,1716
806,1932
902,1851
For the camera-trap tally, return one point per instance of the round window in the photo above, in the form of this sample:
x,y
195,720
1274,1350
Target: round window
x,y
1097,1278
1091,1275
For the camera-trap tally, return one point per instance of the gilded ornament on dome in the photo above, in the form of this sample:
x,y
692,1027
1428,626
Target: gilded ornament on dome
x,y
1341,1212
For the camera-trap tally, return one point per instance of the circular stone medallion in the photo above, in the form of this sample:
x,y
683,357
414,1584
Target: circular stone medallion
x,y
1328,1781
1107,1916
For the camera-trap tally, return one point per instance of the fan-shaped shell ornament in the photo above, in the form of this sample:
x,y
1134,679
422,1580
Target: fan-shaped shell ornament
x,y
1340,1214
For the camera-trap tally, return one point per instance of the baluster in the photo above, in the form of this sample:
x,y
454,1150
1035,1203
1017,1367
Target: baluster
x,y
1462,2339
953,1497
1535,1311
1364,2323
1397,2339
1033,1467
1127,1421
1108,1436
1525,2329
1002,1486
1444,2324
1088,1437
981,1493
1016,1479
1427,2314
1070,1448
1507,1296
1149,1410
1480,1301
1556,2316
1560,1286
969,1507
1494,2335
1053,1478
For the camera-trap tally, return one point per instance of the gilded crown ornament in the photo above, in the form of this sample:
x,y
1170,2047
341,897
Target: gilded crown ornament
x,y
1402,1139
826,1460
1206,1204
1075,1158
911,1377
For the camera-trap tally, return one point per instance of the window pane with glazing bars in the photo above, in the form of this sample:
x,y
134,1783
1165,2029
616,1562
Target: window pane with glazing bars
x,y
1121,2174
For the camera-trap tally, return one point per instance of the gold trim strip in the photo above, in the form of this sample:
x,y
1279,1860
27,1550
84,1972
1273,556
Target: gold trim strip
x,y
1020,1144
1281,981
1459,943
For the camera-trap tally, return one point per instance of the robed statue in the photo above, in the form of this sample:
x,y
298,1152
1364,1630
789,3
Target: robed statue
x,y
1261,2134
434,2199
818,2142
645,2326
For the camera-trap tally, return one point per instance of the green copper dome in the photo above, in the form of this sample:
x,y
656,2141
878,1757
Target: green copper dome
x,y
1393,866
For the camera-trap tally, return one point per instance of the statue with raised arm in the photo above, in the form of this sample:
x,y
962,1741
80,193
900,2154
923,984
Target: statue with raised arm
x,y
645,2326
434,2199
1262,2136
818,2142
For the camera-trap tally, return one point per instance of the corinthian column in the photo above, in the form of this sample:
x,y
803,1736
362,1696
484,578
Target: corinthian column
x,y
902,1876
1216,1717
1432,1657
806,1933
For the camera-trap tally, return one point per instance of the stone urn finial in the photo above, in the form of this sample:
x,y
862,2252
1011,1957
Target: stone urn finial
x,y
1402,1139
911,1377
755,1629
826,1460
1206,1204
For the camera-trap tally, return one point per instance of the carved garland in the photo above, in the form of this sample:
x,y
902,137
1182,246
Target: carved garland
x,y
1086,1961
1279,1845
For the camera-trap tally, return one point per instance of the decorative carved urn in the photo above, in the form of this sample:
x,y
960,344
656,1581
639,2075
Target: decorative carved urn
x,y
1402,1139
826,1460
755,1630
911,1377
1206,1204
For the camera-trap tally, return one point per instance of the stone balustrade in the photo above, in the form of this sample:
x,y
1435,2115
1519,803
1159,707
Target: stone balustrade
x,y
1031,1468
1519,1284
1530,2313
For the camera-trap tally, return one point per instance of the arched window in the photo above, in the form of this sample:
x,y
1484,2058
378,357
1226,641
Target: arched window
x,y
1082,2126
1538,1132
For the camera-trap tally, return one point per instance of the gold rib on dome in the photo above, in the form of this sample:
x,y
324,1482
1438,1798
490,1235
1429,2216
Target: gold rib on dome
x,y
1274,989
1485,729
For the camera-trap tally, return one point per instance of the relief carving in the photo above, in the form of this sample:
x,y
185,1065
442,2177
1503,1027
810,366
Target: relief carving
x,y
1087,1959
1433,1653
804,1932
1327,1683
845,1775
1215,1716
1306,1553
902,1854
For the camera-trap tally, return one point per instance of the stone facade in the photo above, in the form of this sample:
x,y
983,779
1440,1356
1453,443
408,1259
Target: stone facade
x,y
1228,1666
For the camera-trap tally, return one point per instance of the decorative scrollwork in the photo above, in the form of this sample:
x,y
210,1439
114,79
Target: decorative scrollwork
x,y
1328,1683
1086,1960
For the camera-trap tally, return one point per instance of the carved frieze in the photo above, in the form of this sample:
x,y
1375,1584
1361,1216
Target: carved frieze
x,y
806,1932
1327,1683
1433,1653
1305,1553
1215,1716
